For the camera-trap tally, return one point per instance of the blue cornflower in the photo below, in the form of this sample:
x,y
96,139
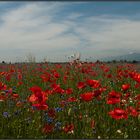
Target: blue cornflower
x,y
6,114
58,109
49,120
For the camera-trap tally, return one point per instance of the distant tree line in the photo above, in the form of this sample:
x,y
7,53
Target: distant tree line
x,y
123,61
31,59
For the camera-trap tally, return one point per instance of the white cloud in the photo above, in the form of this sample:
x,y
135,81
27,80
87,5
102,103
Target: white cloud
x,y
109,34
21,25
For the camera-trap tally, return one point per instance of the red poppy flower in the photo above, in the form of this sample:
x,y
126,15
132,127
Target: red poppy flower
x,y
15,96
32,98
69,91
2,73
118,113
56,75
97,93
38,98
68,128
72,99
8,77
19,83
88,96
48,128
109,76
35,89
81,85
57,88
39,95
125,87
133,112
136,76
93,83
2,86
113,98
42,97
41,106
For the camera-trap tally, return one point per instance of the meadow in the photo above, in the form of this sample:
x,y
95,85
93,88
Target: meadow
x,y
72,100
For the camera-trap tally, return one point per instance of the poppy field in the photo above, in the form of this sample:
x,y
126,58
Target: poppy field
x,y
72,100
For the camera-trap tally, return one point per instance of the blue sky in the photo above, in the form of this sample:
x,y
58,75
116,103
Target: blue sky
x,y
56,30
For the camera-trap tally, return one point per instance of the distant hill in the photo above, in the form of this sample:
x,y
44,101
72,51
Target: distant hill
x,y
128,57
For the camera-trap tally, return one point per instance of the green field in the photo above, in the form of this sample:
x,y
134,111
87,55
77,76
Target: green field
x,y
79,100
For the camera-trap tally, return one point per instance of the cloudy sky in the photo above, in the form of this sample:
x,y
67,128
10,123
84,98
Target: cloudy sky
x,y
55,30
